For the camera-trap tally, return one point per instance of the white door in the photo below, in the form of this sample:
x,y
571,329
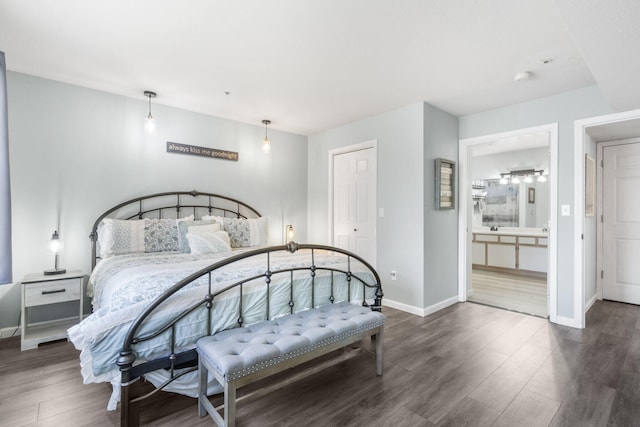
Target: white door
x,y
354,202
621,223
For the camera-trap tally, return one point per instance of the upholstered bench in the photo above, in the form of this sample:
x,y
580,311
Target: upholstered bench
x,y
240,356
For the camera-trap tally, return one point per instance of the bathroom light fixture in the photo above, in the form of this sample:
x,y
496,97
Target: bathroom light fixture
x,y
266,144
150,122
528,175
55,245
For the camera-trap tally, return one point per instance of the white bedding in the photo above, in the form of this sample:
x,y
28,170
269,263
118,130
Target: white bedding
x,y
122,286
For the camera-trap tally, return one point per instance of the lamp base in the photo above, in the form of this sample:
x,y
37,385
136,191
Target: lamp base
x,y
55,271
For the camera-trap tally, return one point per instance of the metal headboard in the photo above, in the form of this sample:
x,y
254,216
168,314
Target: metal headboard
x,y
172,204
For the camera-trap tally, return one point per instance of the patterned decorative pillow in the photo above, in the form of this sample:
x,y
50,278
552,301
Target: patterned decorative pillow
x,y
244,232
206,243
161,235
118,236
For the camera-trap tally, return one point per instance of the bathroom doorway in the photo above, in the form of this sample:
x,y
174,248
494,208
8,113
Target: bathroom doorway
x,y
509,198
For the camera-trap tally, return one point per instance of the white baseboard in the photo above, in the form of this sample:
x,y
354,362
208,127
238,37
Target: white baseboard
x,y
568,321
402,307
590,303
417,310
439,306
10,332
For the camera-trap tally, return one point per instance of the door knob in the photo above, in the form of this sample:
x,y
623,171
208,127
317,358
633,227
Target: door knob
x,y
355,229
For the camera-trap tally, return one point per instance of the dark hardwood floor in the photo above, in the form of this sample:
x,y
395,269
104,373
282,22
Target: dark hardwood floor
x,y
467,365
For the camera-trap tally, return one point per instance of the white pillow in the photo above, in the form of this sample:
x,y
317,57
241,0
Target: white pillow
x,y
244,232
224,236
204,228
206,243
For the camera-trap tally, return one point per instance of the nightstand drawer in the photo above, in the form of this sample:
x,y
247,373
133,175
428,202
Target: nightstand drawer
x,y
52,292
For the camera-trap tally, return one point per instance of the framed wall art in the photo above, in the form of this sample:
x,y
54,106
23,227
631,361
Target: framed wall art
x,y
445,184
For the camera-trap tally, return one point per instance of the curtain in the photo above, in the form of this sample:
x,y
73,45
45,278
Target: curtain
x,y
5,188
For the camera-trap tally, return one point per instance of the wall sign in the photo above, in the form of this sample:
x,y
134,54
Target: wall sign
x,y
194,150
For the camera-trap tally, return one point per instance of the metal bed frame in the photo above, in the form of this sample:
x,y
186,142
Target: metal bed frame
x,y
179,363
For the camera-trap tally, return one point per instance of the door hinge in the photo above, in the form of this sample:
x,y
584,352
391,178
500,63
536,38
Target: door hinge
x,y
582,236
602,274
601,163
602,218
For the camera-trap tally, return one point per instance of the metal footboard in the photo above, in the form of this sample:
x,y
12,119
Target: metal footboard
x,y
179,363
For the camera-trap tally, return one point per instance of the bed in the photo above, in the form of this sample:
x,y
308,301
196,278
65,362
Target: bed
x,y
170,268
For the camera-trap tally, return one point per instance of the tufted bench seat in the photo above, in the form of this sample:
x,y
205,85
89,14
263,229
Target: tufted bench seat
x,y
237,357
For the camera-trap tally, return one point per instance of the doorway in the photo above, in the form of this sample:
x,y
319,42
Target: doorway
x,y
352,199
520,263
620,223
590,136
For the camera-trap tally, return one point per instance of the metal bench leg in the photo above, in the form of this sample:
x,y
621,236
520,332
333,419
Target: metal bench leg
x,y
379,351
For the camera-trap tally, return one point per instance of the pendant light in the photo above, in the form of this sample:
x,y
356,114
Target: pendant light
x,y
150,122
266,144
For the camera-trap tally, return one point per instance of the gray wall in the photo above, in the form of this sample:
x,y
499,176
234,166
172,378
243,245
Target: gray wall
x,y
414,239
399,136
564,109
440,227
75,152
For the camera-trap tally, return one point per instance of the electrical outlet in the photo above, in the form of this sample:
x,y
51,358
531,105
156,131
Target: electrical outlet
x,y
394,275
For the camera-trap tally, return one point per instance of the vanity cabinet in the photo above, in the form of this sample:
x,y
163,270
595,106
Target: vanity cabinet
x,y
515,253
501,255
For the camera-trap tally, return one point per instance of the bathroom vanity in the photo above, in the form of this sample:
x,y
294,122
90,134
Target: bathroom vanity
x,y
511,249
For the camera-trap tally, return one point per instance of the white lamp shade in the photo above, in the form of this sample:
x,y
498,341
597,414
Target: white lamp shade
x,y
56,246
266,145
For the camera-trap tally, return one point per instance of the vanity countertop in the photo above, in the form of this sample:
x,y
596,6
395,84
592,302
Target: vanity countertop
x,y
512,231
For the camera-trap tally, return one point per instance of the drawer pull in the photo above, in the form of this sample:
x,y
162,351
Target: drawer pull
x,y
57,291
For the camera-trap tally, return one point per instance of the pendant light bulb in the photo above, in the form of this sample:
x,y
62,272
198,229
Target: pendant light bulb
x,y
504,180
528,179
542,178
266,144
515,180
150,122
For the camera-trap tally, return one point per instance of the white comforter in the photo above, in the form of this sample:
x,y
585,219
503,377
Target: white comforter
x,y
122,286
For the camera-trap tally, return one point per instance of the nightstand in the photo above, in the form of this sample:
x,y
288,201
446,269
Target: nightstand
x,y
43,292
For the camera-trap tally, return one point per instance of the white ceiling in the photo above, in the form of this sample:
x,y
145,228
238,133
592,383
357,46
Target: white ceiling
x,y
515,143
316,64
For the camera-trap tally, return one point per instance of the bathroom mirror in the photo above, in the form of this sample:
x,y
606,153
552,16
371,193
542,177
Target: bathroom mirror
x,y
510,205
